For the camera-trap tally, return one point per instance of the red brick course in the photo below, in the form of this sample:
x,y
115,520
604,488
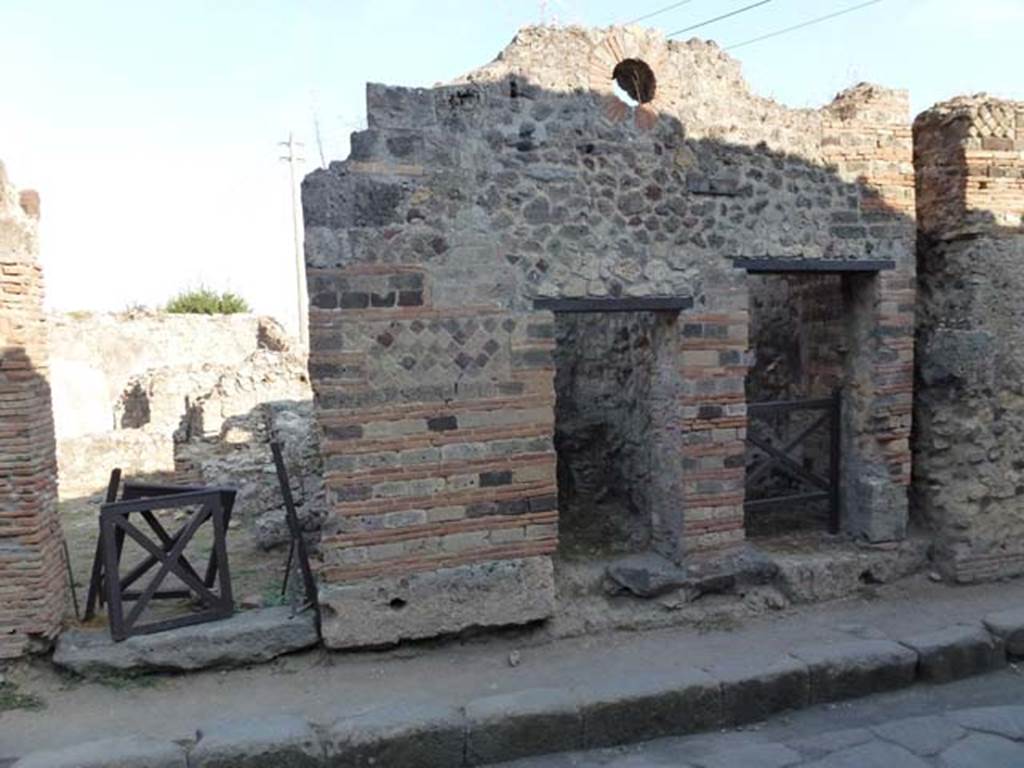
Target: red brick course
x,y
33,590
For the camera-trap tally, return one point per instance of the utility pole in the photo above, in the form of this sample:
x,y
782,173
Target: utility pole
x,y
292,158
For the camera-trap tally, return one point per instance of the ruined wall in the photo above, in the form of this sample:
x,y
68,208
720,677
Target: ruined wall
x,y
33,591
969,411
132,379
464,205
95,356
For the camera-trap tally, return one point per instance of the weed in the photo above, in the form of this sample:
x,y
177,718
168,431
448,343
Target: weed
x,y
205,301
12,698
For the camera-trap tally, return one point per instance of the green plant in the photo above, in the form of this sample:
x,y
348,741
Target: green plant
x,y
120,681
11,698
205,301
272,596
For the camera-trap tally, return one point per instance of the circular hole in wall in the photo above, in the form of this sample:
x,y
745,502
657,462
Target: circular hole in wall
x,y
634,82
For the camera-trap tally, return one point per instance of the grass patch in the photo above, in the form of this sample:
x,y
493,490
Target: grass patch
x,y
272,597
121,681
12,698
205,301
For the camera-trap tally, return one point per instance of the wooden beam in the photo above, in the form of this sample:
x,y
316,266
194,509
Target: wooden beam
x,y
840,266
619,304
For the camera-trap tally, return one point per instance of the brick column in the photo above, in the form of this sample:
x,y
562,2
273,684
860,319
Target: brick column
x,y
437,440
867,138
713,360
33,590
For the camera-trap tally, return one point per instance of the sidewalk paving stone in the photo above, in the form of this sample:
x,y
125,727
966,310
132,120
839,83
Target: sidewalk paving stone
x,y
955,652
856,668
276,741
752,691
983,750
621,710
874,754
925,736
530,722
414,735
128,752
831,741
1001,721
1008,625
753,756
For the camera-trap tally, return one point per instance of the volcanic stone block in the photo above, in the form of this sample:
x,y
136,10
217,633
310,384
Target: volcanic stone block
x,y
623,708
246,638
413,735
530,722
396,107
439,602
276,741
858,668
874,754
955,652
1005,721
130,752
984,749
924,736
752,691
1009,626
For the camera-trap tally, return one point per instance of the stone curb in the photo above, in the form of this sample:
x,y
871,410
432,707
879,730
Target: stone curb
x,y
607,712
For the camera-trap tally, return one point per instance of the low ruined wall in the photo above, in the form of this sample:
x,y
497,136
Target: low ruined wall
x,y
94,356
33,592
969,409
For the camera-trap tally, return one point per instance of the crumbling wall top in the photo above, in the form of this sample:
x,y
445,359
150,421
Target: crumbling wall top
x,y
696,81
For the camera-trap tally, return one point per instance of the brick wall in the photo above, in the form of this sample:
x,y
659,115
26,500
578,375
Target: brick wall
x,y
33,592
868,139
463,206
968,460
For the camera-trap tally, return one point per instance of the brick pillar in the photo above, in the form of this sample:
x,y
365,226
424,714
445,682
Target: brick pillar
x,y
713,361
437,440
867,138
33,591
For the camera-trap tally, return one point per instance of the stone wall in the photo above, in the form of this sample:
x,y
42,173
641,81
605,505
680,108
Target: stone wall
x,y
134,378
969,410
431,252
33,590
95,357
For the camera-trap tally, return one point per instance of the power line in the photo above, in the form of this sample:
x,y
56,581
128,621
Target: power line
x,y
795,27
737,12
658,12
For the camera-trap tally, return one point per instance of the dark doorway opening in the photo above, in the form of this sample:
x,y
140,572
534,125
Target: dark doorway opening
x,y
618,432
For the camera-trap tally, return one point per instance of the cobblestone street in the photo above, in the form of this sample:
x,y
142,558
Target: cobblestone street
x,y
976,723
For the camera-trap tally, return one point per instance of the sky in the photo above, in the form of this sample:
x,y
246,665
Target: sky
x,y
151,128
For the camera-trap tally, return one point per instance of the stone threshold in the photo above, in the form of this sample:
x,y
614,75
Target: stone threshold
x,y
606,710
247,637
